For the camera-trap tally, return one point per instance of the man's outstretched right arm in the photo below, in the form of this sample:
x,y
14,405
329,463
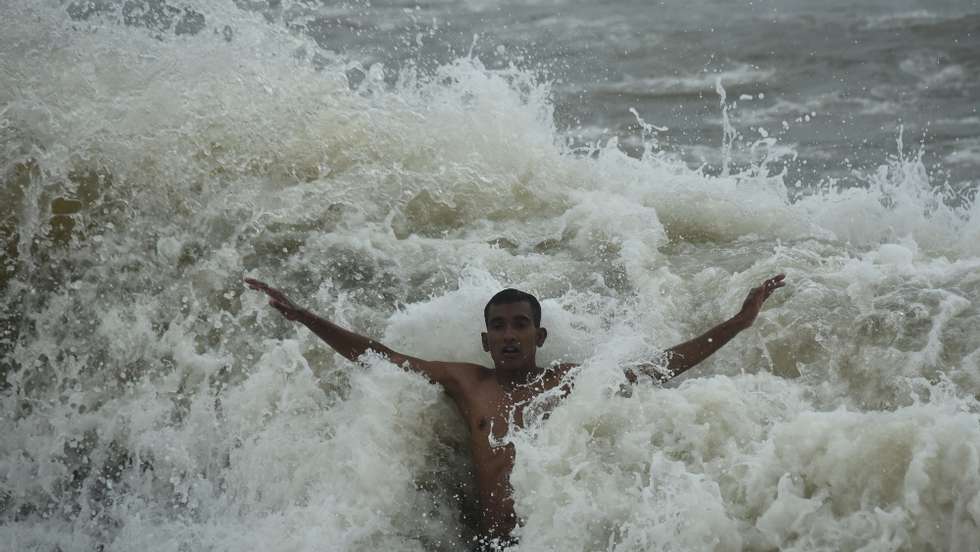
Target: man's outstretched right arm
x,y
350,344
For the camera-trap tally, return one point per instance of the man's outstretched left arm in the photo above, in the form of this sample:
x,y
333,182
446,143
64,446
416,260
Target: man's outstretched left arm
x,y
681,358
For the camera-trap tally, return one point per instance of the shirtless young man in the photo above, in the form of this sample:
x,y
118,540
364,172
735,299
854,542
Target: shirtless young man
x,y
489,398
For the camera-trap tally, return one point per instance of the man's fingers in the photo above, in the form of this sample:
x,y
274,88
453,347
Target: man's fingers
x,y
255,284
264,288
772,284
277,299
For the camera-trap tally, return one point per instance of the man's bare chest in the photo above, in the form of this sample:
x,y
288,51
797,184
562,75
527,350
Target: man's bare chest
x,y
493,418
491,410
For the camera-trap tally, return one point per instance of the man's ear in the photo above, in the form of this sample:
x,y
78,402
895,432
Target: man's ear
x,y
542,335
486,345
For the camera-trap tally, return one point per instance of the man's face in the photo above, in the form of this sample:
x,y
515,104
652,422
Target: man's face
x,y
511,337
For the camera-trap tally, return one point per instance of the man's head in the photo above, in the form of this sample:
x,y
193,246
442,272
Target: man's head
x,y
510,296
514,330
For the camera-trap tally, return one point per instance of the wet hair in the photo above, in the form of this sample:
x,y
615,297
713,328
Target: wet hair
x,y
509,296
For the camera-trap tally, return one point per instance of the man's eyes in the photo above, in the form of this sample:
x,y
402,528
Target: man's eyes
x,y
517,324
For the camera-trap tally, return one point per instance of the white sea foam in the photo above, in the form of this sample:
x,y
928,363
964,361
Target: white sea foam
x,y
959,122
153,403
785,114
901,20
933,73
968,153
589,480
742,75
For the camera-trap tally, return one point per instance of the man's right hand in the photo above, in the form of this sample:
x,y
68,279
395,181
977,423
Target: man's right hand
x,y
277,299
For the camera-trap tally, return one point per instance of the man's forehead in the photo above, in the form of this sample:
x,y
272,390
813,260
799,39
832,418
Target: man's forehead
x,y
510,310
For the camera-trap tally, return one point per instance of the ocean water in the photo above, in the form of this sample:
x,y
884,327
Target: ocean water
x,y
638,166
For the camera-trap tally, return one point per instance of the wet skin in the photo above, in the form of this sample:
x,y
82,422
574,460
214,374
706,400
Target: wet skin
x,y
493,399
488,407
489,400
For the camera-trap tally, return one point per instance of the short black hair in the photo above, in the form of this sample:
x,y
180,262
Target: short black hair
x,y
511,295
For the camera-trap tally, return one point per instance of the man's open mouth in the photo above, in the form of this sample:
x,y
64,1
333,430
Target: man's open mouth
x,y
511,350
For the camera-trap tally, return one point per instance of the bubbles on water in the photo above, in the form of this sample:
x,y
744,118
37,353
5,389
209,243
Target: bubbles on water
x,y
150,402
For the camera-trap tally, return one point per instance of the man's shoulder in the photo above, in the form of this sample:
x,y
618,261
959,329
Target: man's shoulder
x,y
465,370
560,369
555,375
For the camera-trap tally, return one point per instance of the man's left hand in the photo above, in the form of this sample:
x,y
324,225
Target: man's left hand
x,y
753,303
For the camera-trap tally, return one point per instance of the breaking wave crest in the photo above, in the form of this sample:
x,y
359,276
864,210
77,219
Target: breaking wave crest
x,y
150,402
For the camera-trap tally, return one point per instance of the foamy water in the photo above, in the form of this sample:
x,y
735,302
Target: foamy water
x,y
150,402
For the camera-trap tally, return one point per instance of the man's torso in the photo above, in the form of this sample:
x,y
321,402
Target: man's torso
x,y
488,410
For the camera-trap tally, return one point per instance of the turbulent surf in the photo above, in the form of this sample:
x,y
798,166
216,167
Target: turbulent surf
x,y
152,155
